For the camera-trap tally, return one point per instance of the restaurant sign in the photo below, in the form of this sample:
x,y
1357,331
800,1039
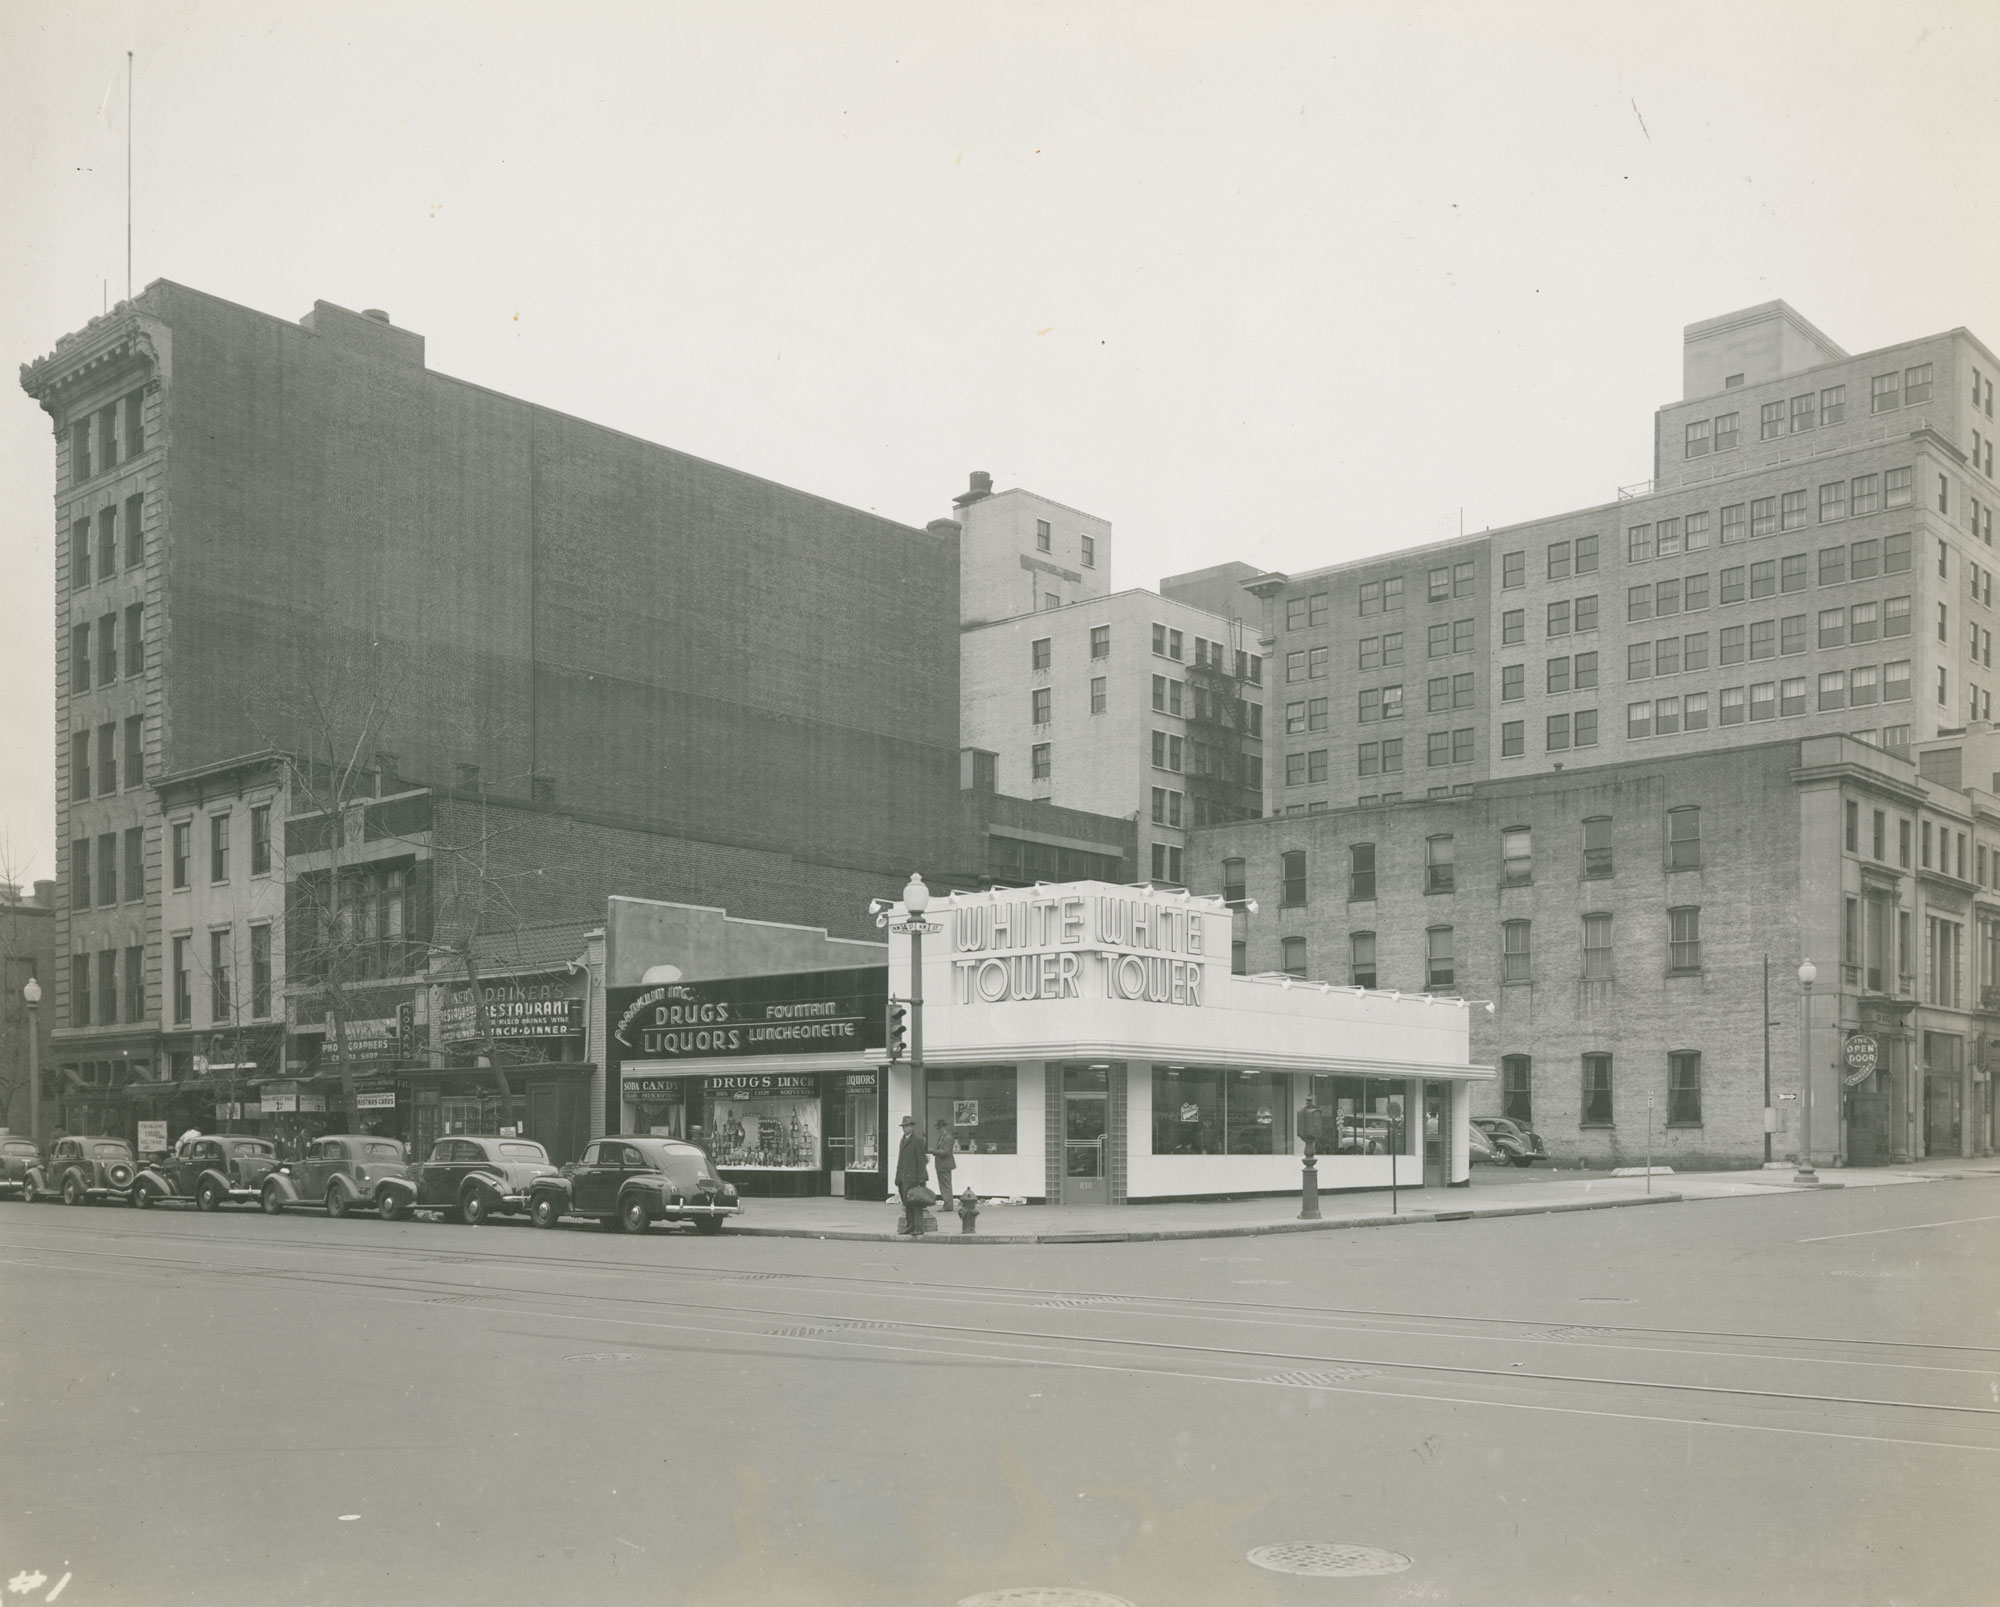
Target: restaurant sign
x,y
1082,940
808,1012
546,1005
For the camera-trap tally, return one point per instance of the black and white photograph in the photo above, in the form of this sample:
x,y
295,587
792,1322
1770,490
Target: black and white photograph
x,y
1075,803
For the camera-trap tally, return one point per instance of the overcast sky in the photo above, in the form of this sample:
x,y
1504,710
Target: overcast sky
x,y
1289,283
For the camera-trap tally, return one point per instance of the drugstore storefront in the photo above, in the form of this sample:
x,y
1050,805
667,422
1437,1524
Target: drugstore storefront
x,y
780,1077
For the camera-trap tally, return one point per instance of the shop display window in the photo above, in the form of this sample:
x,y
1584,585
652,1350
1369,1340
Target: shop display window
x,y
779,1131
977,1104
1258,1113
1201,1110
1368,1112
490,1114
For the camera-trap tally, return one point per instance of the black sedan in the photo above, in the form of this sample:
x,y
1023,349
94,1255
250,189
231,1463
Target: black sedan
x,y
630,1183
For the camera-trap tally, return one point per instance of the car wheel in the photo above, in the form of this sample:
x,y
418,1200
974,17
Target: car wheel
x,y
72,1190
708,1224
545,1212
272,1202
393,1207
142,1196
336,1202
633,1216
210,1197
472,1207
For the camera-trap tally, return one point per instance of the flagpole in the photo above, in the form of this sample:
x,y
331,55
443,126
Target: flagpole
x,y
128,175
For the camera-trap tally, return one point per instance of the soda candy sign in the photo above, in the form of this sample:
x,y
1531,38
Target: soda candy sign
x,y
1862,1055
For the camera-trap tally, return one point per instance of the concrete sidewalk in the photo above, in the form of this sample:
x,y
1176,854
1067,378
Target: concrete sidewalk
x,y
1544,1193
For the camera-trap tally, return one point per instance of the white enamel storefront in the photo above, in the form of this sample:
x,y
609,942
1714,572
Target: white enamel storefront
x,y
1086,1043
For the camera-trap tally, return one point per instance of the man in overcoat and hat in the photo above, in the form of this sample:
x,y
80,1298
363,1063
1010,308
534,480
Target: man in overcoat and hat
x,y
913,1171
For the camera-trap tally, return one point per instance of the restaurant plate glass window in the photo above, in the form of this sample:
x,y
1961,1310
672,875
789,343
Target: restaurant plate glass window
x,y
976,1105
1204,1110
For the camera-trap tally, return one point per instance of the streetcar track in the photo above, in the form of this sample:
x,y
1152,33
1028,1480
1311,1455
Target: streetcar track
x,y
472,1296
1135,1303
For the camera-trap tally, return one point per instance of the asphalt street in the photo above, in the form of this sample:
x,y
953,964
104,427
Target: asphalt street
x,y
1768,1400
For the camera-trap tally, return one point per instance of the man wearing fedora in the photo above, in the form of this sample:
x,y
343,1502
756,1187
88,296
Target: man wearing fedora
x,y
913,1171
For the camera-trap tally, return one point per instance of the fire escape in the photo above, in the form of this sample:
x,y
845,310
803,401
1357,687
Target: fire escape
x,y
1224,764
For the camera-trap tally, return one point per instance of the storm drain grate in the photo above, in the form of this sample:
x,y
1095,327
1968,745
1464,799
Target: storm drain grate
x,y
1043,1596
598,1358
1065,1302
1324,1559
1320,1379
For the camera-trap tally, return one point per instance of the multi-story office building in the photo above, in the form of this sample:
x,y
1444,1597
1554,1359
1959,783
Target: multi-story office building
x,y
1813,553
1127,703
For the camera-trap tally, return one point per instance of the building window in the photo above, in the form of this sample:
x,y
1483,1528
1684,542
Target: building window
x,y
1239,958
1361,959
1771,421
220,965
1898,487
1684,838
1558,619
1514,955
1684,939
135,984
1166,864
183,984
1439,970
79,990
107,758
1038,654
1597,948
107,868
135,752
1697,439
1917,383
135,640
1233,884
1292,956
1097,694
1513,570
260,972
181,831
1513,627
1360,873
135,863
1596,1091
1805,411
1038,761
1038,705
1512,739
1100,641
1684,1088
1041,535
1517,856
1517,1100
218,848
1439,866
1885,393
1292,868
79,451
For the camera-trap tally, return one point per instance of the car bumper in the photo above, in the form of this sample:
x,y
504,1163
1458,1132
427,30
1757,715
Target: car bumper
x,y
692,1211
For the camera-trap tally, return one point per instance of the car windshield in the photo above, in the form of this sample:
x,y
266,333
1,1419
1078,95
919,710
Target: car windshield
x,y
382,1152
108,1152
524,1152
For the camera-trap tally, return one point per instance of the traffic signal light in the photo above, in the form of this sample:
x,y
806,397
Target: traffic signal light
x,y
899,1029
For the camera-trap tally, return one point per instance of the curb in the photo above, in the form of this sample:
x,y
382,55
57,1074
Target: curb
x,y
1250,1231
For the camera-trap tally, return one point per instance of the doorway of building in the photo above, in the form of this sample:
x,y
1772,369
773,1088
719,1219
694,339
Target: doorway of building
x,y
1437,1133
1086,1118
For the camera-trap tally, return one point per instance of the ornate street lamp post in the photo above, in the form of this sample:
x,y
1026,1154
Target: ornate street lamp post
x,y
917,900
31,995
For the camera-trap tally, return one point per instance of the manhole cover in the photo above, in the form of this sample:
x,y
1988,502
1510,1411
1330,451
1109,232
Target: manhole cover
x,y
1064,1302
593,1358
1043,1596
1327,1559
1322,1378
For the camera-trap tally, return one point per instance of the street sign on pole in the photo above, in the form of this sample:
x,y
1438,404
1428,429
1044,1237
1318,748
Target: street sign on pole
x,y
916,926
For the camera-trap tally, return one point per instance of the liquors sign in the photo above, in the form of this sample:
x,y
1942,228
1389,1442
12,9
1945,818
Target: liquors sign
x,y
812,1012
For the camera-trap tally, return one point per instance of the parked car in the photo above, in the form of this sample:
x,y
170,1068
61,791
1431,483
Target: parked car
x,y
1365,1135
84,1170
16,1156
630,1183
1482,1149
209,1171
468,1178
342,1171
1521,1145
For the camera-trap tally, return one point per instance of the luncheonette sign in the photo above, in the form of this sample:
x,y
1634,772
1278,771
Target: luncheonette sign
x,y
811,1012
1072,943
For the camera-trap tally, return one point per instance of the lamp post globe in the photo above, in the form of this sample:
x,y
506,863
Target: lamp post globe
x,y
916,897
1808,974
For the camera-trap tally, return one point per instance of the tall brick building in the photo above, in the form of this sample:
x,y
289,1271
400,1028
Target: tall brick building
x,y
295,537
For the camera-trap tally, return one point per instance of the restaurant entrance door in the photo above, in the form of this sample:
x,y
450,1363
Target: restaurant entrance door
x,y
1086,1118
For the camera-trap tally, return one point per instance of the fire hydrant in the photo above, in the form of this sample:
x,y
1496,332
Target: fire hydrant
x,y
968,1211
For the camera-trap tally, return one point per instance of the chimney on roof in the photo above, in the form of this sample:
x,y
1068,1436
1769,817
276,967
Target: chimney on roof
x,y
45,895
375,313
981,488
